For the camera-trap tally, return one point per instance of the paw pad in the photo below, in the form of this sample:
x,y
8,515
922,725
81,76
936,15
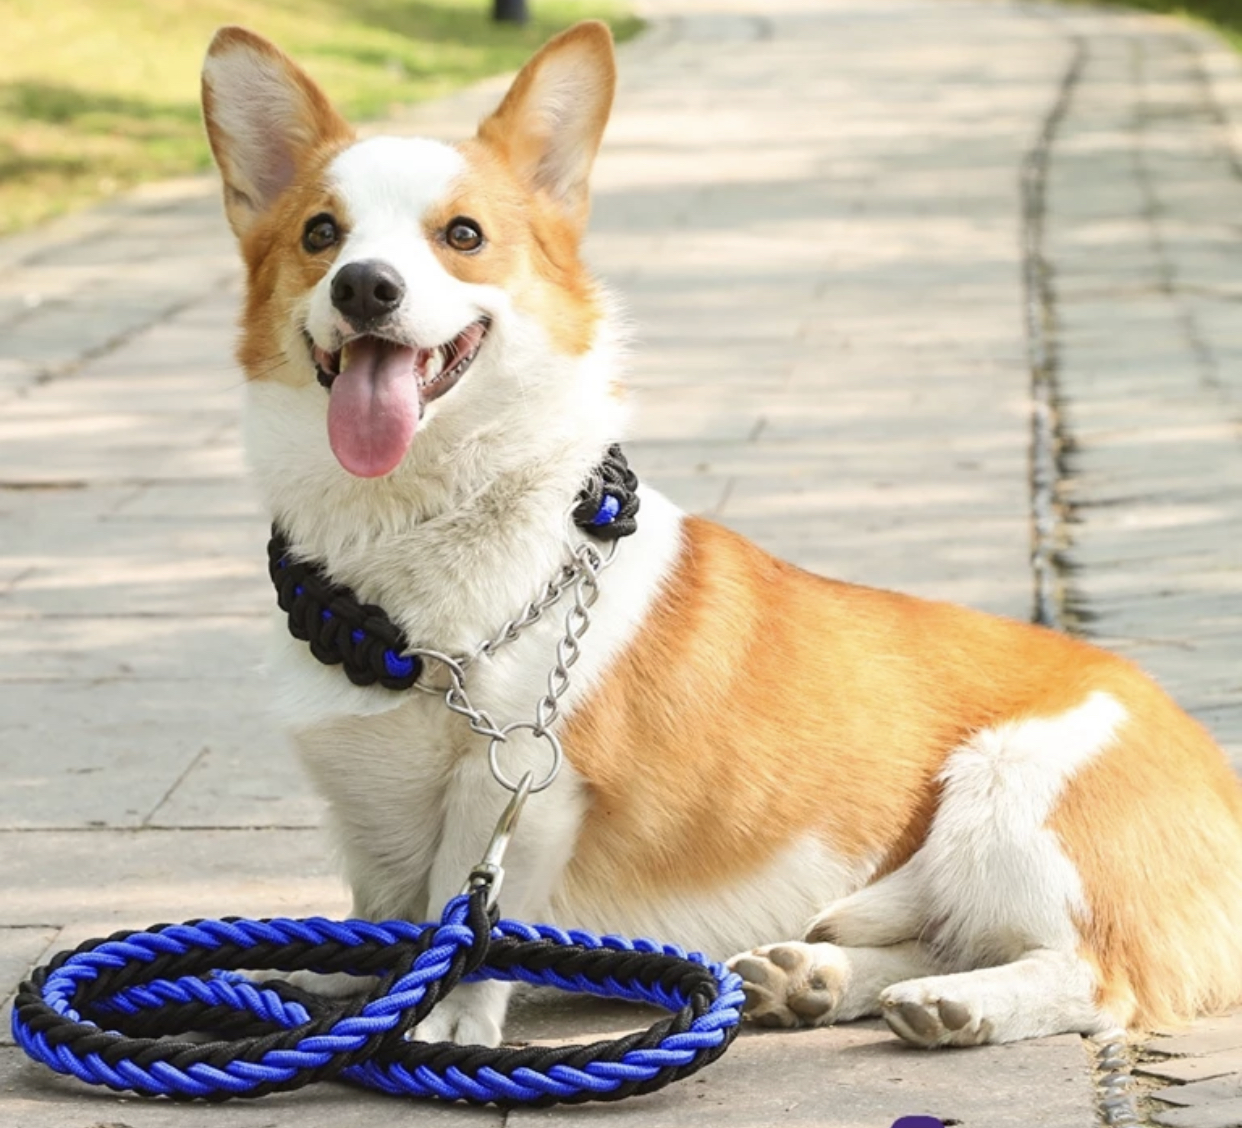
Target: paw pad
x,y
923,1018
786,986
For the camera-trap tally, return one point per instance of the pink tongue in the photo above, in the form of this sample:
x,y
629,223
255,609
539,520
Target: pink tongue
x,y
373,407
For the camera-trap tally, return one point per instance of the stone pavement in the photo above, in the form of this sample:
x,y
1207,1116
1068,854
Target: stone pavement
x,y
814,212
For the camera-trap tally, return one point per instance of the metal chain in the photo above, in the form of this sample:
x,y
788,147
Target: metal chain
x,y
581,575
530,615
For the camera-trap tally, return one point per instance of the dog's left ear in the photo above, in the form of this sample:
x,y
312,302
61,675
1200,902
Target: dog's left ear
x,y
551,121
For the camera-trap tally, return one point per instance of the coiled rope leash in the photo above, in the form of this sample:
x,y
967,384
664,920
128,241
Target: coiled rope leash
x,y
110,1011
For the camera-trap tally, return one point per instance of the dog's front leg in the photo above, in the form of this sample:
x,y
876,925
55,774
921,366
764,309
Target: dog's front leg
x,y
537,855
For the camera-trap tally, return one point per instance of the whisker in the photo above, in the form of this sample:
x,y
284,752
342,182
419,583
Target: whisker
x,y
273,357
261,373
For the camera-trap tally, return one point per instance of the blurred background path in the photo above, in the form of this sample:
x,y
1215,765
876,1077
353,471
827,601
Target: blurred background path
x,y
815,213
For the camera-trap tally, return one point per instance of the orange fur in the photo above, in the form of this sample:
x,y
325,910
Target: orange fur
x,y
524,132
278,272
761,704
531,251
269,230
528,183
1154,827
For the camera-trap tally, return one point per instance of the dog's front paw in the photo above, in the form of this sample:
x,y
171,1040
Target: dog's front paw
x,y
472,1015
924,1015
792,984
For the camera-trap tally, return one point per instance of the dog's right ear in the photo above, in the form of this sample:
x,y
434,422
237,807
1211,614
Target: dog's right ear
x,y
265,118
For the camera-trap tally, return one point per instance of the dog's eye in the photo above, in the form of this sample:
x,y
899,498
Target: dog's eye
x,y
464,235
320,233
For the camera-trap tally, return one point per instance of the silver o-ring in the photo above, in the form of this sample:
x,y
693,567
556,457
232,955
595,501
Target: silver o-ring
x,y
493,760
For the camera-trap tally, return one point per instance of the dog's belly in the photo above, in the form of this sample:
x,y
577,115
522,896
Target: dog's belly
x,y
771,903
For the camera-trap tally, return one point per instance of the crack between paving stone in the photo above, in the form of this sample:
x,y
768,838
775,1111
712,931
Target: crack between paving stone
x,y
17,484
1055,604
1048,440
49,373
195,760
195,828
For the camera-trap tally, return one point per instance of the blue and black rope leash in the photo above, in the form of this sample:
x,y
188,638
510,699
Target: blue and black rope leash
x,y
110,1011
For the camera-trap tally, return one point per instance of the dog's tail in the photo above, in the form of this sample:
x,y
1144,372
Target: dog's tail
x,y
1154,827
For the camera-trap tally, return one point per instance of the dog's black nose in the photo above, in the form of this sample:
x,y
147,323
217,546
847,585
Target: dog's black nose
x,y
366,292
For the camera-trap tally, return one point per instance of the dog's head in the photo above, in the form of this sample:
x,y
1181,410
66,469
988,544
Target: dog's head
x,y
403,287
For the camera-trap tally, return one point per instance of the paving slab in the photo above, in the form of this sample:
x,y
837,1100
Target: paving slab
x,y
1222,1114
860,1077
1211,1091
97,880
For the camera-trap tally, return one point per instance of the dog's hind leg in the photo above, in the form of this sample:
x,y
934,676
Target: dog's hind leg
x,y
889,911
797,984
1044,992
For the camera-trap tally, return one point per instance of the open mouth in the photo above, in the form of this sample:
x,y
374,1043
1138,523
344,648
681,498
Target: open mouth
x,y
378,390
437,369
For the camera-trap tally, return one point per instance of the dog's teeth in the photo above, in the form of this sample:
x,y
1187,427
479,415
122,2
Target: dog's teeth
x,y
435,364
343,362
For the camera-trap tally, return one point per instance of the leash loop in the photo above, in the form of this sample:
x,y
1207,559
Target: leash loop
x,y
114,1011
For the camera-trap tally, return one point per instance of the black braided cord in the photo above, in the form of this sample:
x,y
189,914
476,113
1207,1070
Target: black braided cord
x,y
612,478
363,640
133,996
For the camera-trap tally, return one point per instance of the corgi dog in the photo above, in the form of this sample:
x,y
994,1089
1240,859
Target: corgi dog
x,y
979,829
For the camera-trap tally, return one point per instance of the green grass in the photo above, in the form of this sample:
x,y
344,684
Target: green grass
x,y
1224,15
96,95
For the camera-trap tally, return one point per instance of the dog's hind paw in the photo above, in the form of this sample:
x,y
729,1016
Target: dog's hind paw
x,y
923,1016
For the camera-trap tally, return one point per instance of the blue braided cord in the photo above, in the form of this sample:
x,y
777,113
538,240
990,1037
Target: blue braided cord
x,y
216,1079
396,665
581,1079
180,1080
544,1082
136,1078
609,507
221,990
381,1015
431,1084
467,1085
504,1085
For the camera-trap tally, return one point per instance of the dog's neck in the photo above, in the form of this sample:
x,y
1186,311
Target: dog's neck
x,y
464,533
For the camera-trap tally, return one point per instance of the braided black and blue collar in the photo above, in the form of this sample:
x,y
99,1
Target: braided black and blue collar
x,y
363,640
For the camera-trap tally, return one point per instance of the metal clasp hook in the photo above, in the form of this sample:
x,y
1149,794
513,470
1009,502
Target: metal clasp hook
x,y
489,874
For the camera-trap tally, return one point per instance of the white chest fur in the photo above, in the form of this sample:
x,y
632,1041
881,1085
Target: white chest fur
x,y
407,780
